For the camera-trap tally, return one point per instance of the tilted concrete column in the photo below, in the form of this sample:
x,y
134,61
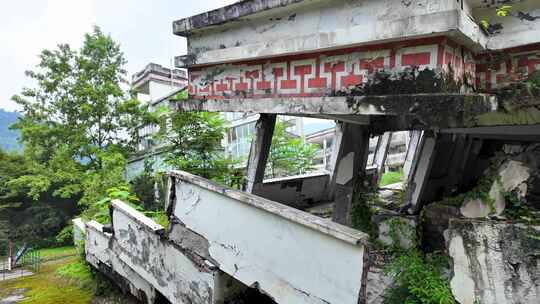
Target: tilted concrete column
x,y
381,153
260,148
420,171
349,160
412,146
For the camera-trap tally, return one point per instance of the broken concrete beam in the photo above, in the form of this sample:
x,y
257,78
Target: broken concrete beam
x,y
99,252
494,262
259,151
179,276
290,255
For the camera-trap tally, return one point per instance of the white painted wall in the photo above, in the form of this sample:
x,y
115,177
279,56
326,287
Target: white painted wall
x,y
293,256
327,25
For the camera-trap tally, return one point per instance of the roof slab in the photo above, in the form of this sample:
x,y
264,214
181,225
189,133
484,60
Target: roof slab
x,y
395,112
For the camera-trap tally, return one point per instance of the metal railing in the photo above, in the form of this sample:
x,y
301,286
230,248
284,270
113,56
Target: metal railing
x,y
28,264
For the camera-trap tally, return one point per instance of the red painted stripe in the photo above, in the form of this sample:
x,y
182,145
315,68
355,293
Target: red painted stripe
x,y
416,59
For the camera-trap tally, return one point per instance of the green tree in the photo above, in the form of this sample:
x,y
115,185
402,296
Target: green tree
x,y
195,144
289,155
78,103
78,124
18,211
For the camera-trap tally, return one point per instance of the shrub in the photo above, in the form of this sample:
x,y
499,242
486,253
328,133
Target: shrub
x,y
419,280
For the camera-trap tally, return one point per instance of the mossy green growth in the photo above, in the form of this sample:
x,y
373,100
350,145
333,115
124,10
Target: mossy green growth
x,y
480,191
50,254
400,229
362,214
78,272
159,217
46,287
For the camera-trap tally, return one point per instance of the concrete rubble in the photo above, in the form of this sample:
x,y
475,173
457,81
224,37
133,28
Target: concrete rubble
x,y
493,262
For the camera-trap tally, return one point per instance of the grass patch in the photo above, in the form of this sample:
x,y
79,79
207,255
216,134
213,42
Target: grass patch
x,y
46,287
51,254
391,177
78,272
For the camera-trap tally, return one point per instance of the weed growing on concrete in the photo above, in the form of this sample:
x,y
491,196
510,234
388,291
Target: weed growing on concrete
x,y
419,279
362,213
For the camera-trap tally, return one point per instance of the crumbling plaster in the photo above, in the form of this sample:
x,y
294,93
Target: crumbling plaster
x,y
493,263
99,251
140,245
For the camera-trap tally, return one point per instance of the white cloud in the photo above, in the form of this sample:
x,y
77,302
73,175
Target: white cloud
x,y
143,28
27,28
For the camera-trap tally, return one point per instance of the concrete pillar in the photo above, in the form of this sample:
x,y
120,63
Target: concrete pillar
x,y
381,153
413,144
260,148
420,171
349,162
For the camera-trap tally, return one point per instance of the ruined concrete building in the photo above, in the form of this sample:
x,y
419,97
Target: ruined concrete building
x,y
463,74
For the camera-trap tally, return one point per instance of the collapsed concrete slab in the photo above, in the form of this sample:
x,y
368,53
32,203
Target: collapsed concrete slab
x,y
100,253
494,262
292,256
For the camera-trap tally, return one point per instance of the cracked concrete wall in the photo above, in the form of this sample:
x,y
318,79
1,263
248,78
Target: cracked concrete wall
x,y
493,262
141,245
290,255
99,252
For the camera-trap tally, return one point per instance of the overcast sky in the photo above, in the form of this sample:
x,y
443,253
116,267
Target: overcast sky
x,y
142,27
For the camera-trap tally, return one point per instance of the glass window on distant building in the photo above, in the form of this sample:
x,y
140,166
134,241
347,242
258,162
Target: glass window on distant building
x,y
239,139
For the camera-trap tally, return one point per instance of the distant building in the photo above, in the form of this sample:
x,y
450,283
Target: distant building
x,y
241,128
155,85
325,140
155,82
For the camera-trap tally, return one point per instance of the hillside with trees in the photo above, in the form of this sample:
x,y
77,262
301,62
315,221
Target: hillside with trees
x,y
8,138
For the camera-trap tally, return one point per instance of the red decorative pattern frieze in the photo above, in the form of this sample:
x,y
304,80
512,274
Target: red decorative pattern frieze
x,y
322,73
500,69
